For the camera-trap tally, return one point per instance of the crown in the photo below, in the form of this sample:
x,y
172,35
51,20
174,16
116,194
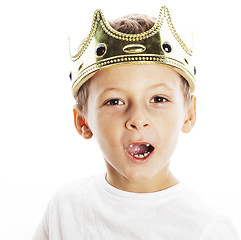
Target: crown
x,y
105,47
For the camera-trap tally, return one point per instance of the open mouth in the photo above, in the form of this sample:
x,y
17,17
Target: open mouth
x,y
140,150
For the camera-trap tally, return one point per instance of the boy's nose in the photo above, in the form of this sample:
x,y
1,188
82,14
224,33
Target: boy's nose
x,y
137,121
137,125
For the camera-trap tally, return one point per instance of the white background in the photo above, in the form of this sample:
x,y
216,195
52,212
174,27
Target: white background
x,y
40,148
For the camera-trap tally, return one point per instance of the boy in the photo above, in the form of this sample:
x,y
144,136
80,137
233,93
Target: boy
x,y
133,81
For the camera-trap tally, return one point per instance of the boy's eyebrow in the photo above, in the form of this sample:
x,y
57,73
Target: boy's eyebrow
x,y
160,85
150,87
109,89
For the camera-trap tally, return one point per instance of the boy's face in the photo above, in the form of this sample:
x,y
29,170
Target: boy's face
x,y
130,104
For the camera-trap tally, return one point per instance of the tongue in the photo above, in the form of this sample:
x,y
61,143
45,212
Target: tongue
x,y
137,149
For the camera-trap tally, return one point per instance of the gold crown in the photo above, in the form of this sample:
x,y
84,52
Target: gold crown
x,y
106,47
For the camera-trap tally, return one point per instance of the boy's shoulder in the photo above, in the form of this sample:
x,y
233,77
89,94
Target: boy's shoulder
x,y
197,205
74,190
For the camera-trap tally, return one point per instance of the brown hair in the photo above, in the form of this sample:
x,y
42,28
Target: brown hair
x,y
132,24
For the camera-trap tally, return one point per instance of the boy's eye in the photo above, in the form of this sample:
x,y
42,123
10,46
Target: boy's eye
x,y
159,99
114,101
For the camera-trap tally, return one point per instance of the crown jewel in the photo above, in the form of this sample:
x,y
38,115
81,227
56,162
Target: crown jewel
x,y
105,47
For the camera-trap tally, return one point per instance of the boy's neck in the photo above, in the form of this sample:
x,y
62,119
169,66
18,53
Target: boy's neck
x,y
163,180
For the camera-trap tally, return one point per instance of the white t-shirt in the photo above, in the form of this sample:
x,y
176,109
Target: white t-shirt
x,y
92,209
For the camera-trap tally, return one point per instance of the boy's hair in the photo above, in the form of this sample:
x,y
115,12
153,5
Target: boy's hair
x,y
131,24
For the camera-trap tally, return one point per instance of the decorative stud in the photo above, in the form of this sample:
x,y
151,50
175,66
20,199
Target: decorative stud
x,y
167,47
101,50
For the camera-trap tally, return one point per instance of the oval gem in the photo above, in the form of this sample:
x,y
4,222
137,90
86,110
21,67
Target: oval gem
x,y
134,48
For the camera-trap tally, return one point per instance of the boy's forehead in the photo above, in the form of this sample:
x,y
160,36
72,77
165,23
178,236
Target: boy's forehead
x,y
136,76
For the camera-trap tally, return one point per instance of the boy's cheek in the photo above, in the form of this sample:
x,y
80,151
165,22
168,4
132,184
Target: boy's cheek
x,y
102,125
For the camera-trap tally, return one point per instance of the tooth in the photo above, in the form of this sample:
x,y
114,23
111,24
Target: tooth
x,y
131,145
147,144
145,154
139,156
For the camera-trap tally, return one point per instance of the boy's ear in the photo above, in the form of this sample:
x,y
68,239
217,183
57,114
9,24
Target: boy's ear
x,y
80,123
190,117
